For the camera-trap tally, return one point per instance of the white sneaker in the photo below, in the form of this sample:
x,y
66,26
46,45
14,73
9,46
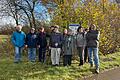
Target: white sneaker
x,y
97,70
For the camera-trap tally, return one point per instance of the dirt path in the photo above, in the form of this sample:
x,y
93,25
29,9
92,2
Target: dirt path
x,y
107,75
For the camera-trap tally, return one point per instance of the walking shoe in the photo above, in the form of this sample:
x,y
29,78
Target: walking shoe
x,y
97,70
16,62
91,65
57,65
80,64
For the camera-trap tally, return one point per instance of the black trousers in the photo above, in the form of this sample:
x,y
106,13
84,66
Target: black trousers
x,y
67,59
42,53
86,55
81,54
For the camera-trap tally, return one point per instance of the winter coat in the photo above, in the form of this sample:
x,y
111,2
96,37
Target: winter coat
x,y
68,44
31,40
93,38
81,39
42,41
56,38
18,38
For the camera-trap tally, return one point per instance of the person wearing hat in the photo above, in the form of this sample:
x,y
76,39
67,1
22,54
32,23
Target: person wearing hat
x,y
42,44
56,40
18,40
31,44
67,47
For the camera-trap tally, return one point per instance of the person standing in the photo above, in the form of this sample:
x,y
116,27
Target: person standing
x,y
31,44
18,40
67,47
80,42
86,58
55,45
48,35
92,44
42,44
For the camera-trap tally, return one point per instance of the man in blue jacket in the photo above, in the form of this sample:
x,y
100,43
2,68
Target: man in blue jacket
x,y
31,44
18,40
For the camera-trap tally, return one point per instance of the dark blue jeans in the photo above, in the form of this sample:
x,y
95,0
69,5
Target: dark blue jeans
x,y
32,54
18,52
42,53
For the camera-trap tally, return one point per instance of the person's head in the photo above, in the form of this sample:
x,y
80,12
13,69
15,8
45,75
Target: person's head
x,y
19,27
80,29
70,32
32,30
86,29
56,28
41,29
65,31
92,27
52,28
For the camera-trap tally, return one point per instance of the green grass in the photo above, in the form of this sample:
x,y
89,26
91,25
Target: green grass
x,y
36,71
4,36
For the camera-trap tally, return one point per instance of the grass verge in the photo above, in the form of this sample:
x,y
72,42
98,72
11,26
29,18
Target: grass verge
x,y
37,71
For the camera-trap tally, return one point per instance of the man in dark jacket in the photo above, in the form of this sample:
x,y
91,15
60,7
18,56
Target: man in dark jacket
x,y
42,44
55,45
31,44
92,44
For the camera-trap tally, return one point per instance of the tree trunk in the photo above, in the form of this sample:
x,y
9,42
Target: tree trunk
x,y
33,20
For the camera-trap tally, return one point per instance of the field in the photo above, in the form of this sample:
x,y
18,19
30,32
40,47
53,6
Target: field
x,y
26,70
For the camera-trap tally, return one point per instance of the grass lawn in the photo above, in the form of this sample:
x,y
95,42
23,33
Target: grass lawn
x,y
4,36
37,71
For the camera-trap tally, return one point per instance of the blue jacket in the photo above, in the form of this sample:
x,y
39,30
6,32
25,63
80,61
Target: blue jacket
x,y
42,41
18,38
56,38
31,40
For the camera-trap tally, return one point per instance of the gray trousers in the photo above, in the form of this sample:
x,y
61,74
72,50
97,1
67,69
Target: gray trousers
x,y
81,54
55,55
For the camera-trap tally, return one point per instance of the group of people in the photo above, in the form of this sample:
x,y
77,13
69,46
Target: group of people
x,y
85,40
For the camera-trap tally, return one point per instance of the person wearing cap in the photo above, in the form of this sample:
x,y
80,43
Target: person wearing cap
x,y
31,44
42,44
18,40
67,47
52,28
56,40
